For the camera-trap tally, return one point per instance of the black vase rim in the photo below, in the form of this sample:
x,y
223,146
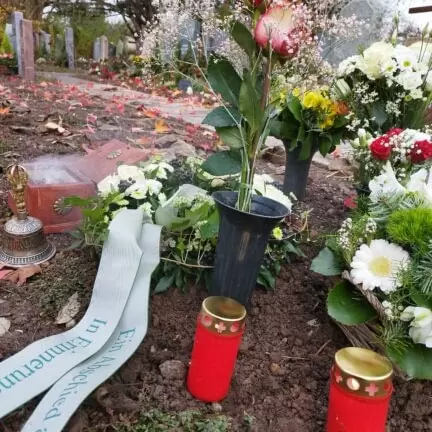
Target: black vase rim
x,y
283,211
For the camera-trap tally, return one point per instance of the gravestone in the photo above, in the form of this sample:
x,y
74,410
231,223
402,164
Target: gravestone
x,y
130,46
70,48
58,47
119,48
10,34
371,11
16,18
111,50
104,53
45,41
36,42
97,50
27,50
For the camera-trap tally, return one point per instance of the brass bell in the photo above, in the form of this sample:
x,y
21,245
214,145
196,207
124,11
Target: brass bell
x,y
23,241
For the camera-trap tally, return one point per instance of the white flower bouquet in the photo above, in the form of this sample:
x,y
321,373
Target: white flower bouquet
x,y
384,255
387,86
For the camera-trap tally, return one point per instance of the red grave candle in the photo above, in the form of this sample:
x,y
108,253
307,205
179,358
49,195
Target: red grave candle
x,y
220,327
360,391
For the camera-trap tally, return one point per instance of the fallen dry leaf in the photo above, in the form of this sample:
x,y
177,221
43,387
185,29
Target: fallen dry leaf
x,y
4,111
21,275
144,141
161,127
4,326
69,310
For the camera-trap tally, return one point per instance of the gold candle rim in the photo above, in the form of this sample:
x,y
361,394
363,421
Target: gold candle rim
x,y
224,309
364,364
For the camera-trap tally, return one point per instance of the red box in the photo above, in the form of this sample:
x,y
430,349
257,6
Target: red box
x,y
44,200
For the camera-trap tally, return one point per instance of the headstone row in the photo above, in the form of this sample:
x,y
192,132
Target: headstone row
x,y
103,50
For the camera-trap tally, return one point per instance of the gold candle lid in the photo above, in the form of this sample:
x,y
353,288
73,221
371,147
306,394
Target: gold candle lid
x,y
223,315
363,372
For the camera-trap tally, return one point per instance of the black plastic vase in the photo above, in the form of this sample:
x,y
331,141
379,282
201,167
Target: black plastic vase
x,y
241,244
296,171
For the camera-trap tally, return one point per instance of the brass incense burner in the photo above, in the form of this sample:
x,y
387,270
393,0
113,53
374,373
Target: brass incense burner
x,y
23,241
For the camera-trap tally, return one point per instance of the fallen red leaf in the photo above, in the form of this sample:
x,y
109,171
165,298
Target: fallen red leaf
x,y
21,275
350,202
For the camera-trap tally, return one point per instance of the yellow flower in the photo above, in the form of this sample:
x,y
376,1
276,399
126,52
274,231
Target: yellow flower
x,y
277,233
328,122
312,100
296,92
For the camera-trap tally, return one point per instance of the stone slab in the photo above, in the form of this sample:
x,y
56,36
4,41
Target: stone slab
x,y
105,160
70,47
104,51
16,18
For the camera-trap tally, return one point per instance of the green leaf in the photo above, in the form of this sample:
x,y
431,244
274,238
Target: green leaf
x,y
421,299
348,306
211,228
307,147
249,103
165,216
164,283
220,117
231,136
283,129
266,279
295,107
242,35
416,361
327,263
222,163
379,112
224,79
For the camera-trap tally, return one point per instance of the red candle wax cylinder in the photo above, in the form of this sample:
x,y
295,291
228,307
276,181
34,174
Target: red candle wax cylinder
x,y
220,327
360,392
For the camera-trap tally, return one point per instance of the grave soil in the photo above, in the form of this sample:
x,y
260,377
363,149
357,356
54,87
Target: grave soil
x,y
281,379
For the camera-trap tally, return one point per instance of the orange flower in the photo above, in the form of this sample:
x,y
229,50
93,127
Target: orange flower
x,y
341,108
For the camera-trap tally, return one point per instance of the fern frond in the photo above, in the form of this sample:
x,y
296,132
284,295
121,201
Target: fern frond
x,y
423,273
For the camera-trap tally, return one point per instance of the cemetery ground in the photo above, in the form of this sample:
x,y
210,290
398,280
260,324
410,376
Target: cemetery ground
x,y
282,373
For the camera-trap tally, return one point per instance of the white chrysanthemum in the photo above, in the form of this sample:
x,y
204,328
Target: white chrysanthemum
x,y
421,324
130,172
406,58
146,208
159,169
139,188
108,184
385,185
154,187
378,265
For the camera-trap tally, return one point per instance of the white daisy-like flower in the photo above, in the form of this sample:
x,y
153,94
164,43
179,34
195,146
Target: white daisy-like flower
x,y
378,265
421,324
154,187
159,169
108,184
139,188
130,172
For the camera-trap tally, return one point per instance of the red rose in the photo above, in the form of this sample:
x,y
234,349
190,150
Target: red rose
x,y
380,148
393,132
421,151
